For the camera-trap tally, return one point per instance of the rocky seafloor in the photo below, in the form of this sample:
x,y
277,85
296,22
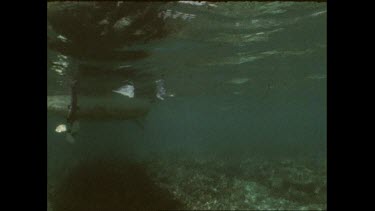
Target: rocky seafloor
x,y
240,184
247,184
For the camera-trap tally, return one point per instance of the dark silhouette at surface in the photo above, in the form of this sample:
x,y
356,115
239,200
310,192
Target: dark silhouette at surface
x,y
97,30
96,35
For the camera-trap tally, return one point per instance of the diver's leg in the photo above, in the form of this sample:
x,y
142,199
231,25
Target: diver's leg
x,y
73,107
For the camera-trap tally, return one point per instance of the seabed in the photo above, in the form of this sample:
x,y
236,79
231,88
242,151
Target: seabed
x,y
246,184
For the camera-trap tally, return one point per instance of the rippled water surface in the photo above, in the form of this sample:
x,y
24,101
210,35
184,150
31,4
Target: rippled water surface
x,y
222,105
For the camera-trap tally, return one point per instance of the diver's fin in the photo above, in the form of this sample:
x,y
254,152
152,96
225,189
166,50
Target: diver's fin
x,y
69,138
75,127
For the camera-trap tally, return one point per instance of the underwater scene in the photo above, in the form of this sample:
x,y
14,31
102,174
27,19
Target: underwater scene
x,y
186,105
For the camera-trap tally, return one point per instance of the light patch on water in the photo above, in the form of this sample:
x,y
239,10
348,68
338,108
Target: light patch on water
x,y
235,60
287,52
298,53
176,14
317,76
240,58
277,11
195,3
60,65
59,70
122,23
119,3
123,66
272,7
253,24
104,22
139,32
263,23
62,38
127,90
161,91
273,52
238,81
212,5
198,3
319,13
245,57
241,39
62,56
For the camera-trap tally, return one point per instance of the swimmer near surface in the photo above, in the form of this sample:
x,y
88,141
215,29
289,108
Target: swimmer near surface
x,y
96,108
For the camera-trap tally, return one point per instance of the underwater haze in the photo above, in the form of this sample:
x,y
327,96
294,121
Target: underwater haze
x,y
209,105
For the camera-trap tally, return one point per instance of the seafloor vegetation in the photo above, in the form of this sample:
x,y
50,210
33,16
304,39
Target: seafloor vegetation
x,y
179,182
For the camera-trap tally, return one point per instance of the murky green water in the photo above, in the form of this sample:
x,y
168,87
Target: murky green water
x,y
218,105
